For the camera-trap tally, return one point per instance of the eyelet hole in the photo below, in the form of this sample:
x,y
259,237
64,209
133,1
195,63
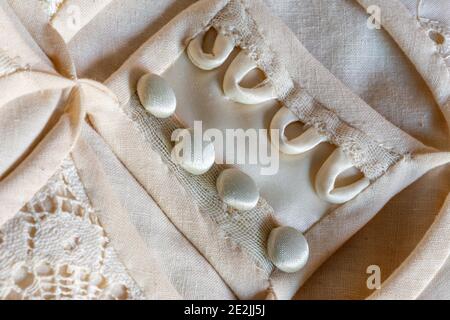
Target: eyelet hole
x,y
208,40
294,129
253,78
348,177
437,37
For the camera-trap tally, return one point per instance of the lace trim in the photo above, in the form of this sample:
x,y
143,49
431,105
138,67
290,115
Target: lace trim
x,y
370,156
55,248
440,34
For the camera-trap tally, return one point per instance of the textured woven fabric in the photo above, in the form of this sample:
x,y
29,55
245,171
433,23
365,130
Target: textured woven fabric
x,y
380,94
184,265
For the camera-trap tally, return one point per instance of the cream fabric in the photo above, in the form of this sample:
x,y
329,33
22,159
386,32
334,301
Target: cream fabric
x,y
394,79
171,250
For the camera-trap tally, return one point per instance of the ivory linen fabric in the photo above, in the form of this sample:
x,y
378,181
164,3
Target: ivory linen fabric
x,y
85,173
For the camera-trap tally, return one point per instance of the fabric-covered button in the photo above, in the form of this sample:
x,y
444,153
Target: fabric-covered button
x,y
288,249
193,154
237,189
156,95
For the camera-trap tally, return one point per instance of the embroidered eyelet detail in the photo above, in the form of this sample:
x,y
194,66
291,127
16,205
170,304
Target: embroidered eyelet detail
x,y
303,143
336,164
223,46
238,69
437,37
440,34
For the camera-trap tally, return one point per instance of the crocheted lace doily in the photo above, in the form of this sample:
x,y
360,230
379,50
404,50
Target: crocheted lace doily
x,y
55,248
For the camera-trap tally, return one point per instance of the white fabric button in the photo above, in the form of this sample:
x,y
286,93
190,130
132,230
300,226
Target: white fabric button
x,y
237,189
193,154
336,164
237,70
288,249
156,96
303,143
223,46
